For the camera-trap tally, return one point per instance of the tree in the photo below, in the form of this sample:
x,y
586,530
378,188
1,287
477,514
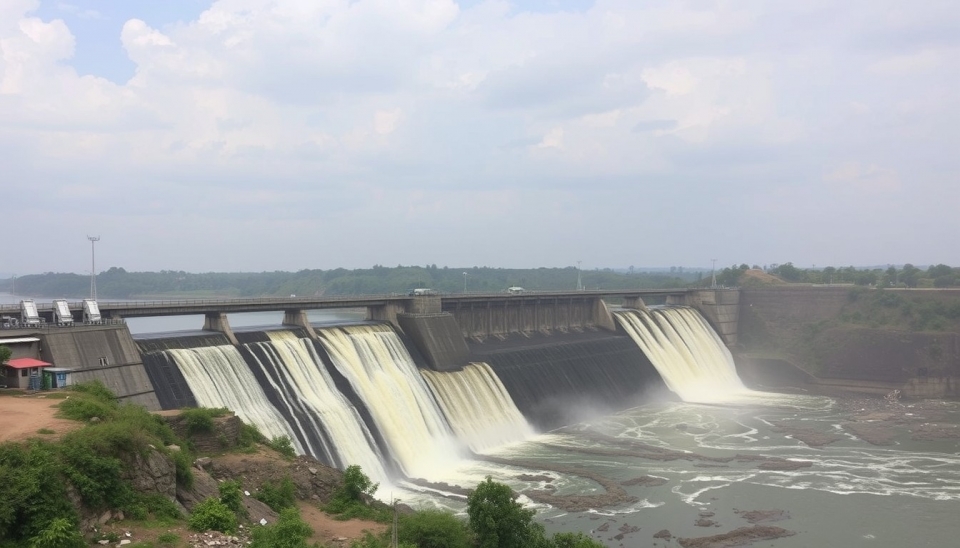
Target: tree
x,y
5,354
356,484
499,521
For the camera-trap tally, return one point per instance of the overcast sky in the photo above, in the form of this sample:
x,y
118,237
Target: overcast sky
x,y
288,134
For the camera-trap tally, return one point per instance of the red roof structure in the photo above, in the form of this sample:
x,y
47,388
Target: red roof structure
x,y
24,363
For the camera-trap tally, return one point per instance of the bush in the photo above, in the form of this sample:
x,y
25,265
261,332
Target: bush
x,y
60,533
433,529
574,540
283,445
498,521
213,515
349,501
200,419
290,531
278,495
232,497
249,436
168,539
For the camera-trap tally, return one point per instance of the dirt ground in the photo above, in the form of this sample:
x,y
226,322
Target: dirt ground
x,y
22,416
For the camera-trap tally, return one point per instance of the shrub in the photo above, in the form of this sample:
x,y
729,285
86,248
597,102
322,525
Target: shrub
x,y
213,515
290,531
349,500
278,495
434,529
498,521
249,436
232,497
168,539
200,419
60,533
283,445
574,540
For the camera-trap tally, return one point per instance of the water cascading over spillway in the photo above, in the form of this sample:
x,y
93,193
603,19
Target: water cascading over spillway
x,y
297,373
689,355
378,367
218,377
478,406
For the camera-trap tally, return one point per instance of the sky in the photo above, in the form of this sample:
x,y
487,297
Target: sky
x,y
262,135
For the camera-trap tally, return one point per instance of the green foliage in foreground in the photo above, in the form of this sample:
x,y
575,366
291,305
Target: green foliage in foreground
x,y
60,533
200,419
283,445
278,496
290,531
213,515
496,521
352,498
37,473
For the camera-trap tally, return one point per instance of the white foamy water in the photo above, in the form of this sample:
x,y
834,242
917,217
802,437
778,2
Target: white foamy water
x,y
382,373
218,377
478,406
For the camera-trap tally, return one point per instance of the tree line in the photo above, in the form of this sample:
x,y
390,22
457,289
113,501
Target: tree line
x,y
118,283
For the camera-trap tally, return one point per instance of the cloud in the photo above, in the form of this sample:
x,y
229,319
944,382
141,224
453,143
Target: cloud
x,y
333,112
870,178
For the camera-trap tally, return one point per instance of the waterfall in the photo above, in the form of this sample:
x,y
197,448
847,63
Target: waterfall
x,y
691,358
218,377
307,390
384,376
478,406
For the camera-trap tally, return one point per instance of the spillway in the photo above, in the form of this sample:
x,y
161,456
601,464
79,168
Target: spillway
x,y
689,355
381,372
308,394
478,407
218,377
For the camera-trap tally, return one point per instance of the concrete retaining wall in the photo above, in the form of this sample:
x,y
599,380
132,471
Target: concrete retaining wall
x,y
721,307
528,314
104,353
438,339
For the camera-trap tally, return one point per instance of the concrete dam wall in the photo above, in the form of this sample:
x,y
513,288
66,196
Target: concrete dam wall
x,y
860,338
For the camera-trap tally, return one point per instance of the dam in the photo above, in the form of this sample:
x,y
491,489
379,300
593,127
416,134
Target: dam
x,y
602,411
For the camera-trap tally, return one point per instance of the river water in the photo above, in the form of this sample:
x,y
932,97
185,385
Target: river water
x,y
852,493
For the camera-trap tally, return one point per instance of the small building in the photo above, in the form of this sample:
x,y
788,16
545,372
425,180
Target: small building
x,y
56,377
23,373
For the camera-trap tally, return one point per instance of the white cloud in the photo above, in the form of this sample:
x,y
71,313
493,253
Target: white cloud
x,y
867,178
357,106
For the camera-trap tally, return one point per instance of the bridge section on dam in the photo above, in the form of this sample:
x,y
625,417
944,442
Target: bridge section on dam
x,y
439,325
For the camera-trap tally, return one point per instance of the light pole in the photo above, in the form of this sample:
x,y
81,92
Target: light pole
x,y
713,274
14,290
93,266
464,282
579,278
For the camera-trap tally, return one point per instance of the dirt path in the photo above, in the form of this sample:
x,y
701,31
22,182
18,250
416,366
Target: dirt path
x,y
330,532
22,416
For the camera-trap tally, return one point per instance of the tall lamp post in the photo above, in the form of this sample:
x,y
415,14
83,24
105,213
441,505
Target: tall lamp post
x,y
579,278
464,282
713,274
93,266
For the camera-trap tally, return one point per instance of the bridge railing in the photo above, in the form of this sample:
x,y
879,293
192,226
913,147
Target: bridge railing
x,y
279,302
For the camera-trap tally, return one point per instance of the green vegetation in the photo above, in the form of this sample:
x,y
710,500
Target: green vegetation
x,y
352,499
5,353
117,283
213,515
168,539
232,497
496,520
278,496
45,431
89,461
199,420
290,531
283,445
60,533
